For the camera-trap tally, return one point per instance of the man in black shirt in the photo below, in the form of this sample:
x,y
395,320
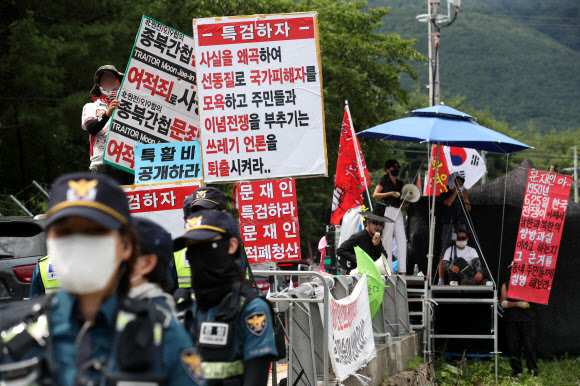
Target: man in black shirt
x,y
369,240
452,217
520,331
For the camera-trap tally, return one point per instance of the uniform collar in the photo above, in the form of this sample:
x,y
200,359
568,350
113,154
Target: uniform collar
x,y
68,304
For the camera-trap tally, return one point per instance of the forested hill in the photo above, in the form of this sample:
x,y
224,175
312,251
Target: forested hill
x,y
519,58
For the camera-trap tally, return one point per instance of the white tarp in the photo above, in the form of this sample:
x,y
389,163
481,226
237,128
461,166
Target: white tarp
x,y
351,343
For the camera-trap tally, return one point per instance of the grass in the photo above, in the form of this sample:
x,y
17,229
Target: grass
x,y
481,372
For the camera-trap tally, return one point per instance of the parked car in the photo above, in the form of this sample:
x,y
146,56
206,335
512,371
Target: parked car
x,y
22,243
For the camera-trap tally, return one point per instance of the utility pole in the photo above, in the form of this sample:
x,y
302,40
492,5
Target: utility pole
x,y
433,18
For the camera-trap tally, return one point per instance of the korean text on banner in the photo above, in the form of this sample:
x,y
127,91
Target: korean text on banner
x,y
161,162
442,173
260,97
162,203
351,343
158,96
538,243
269,220
350,182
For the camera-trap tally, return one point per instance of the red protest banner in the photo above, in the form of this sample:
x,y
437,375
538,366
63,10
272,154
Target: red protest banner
x,y
350,182
269,220
541,226
442,173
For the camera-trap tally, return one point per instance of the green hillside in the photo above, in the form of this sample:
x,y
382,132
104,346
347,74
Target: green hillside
x,y
519,58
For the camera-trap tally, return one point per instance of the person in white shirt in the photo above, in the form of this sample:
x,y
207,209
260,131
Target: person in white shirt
x,y
96,120
462,262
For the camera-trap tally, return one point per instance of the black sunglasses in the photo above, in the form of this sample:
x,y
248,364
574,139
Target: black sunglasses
x,y
376,222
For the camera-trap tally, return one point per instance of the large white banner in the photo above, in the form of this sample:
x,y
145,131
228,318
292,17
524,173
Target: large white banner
x,y
351,342
260,97
161,202
158,96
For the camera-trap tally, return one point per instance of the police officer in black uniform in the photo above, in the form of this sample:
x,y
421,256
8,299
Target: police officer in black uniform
x,y
230,323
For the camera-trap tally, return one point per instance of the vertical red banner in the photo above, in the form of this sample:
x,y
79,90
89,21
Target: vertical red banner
x,y
539,235
442,173
269,220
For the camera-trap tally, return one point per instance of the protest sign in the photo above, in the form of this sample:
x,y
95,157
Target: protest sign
x,y
162,162
158,96
161,202
540,231
260,97
269,220
442,173
351,343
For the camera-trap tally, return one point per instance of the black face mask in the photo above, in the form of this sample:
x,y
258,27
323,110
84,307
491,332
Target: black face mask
x,y
394,172
213,271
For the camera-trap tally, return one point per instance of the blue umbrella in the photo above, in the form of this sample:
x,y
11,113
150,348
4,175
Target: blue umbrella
x,y
444,126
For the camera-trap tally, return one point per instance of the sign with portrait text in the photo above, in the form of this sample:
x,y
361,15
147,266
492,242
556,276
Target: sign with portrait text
x,y
539,235
260,97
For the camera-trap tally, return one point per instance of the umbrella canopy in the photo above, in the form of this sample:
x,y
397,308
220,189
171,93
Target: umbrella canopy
x,y
446,126
375,283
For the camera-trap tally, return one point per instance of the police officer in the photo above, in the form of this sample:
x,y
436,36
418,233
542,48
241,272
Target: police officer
x,y
206,197
231,324
89,332
149,279
44,278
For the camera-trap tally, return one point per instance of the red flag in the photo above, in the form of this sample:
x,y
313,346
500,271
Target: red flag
x,y
350,180
442,173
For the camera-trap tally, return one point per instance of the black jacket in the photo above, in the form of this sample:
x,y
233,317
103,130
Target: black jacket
x,y
346,255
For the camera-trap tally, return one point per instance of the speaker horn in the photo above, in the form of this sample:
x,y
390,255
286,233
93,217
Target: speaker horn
x,y
411,193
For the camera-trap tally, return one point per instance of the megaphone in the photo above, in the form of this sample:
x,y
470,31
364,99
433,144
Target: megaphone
x,y
411,193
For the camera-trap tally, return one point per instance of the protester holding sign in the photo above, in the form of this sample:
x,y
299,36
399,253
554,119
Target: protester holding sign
x,y
96,120
232,326
389,190
520,331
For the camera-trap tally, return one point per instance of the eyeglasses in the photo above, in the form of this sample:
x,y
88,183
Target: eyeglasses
x,y
463,238
376,222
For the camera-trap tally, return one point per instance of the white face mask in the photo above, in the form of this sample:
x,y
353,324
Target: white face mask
x,y
85,264
461,244
109,93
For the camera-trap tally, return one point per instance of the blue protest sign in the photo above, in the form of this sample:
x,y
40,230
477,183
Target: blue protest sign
x,y
172,161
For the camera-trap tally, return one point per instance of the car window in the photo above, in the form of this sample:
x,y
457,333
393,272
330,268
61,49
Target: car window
x,y
21,240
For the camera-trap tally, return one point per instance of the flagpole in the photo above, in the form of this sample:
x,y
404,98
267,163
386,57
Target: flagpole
x,y
358,161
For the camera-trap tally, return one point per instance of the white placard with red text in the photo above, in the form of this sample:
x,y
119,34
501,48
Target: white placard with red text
x,y
260,97
158,96
351,344
161,202
269,220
